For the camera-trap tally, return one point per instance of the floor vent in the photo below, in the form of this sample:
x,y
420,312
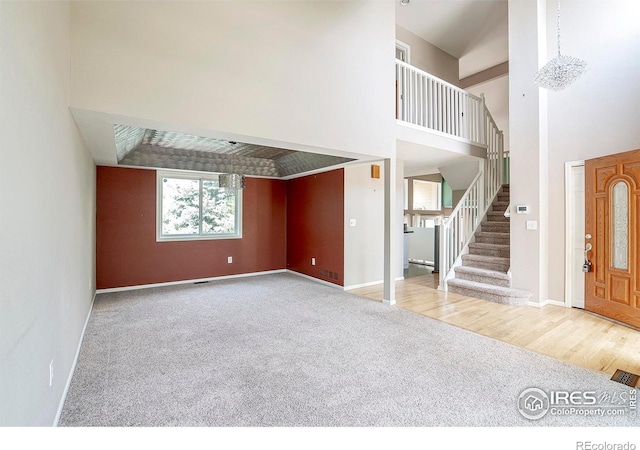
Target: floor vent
x,y
626,378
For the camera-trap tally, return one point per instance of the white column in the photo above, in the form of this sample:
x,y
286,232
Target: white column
x,y
391,231
528,145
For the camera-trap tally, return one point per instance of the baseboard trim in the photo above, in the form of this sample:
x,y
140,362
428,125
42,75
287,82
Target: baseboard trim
x,y
357,286
317,280
195,280
372,283
547,302
73,366
555,303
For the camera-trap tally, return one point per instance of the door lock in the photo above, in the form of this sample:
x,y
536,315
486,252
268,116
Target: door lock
x,y
586,267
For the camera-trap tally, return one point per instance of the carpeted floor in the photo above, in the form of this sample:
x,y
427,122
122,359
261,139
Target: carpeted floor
x,y
280,350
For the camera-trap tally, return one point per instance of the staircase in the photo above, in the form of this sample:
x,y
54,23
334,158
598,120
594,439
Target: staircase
x,y
484,272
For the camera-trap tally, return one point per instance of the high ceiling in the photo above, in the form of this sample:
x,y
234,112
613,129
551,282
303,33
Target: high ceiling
x,y
474,31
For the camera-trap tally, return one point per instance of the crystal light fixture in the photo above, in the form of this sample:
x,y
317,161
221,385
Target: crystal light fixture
x,y
562,70
231,181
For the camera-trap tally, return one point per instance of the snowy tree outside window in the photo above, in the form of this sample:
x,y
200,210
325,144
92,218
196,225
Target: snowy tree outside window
x,y
194,207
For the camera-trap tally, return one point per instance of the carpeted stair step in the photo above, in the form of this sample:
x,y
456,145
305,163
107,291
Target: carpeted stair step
x,y
498,294
499,206
496,227
497,216
492,237
485,276
479,248
486,262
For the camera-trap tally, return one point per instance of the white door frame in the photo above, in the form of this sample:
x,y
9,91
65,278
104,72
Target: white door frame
x,y
569,235
407,49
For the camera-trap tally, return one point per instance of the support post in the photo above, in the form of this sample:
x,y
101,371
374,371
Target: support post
x,y
390,231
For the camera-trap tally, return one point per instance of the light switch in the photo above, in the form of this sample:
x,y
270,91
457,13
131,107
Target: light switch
x,y
532,224
352,222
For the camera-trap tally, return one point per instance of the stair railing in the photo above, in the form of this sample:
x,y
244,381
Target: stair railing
x,y
459,229
428,101
494,164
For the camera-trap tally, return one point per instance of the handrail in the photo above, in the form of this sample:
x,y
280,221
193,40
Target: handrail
x,y
494,164
430,102
459,228
456,210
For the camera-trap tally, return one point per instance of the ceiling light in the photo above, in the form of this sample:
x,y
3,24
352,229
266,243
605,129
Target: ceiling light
x,y
562,70
404,2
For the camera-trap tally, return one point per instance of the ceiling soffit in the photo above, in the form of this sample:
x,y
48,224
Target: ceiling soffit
x,y
170,150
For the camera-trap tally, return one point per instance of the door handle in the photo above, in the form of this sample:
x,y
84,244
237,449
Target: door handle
x,y
587,249
586,267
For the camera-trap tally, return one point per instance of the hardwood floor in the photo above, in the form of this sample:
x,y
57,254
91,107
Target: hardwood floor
x,y
569,334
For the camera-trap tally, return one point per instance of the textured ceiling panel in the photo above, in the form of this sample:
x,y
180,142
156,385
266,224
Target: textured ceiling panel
x,y
169,150
169,139
127,138
171,158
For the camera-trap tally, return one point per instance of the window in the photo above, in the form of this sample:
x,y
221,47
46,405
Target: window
x,y
426,195
192,206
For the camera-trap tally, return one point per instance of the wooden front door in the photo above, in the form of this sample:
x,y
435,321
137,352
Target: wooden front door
x,y
612,227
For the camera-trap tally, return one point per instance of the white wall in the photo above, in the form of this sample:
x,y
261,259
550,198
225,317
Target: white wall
x,y
314,73
600,113
47,208
364,243
426,56
528,136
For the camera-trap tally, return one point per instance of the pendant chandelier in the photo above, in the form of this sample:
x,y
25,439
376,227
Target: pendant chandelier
x,y
231,181
562,70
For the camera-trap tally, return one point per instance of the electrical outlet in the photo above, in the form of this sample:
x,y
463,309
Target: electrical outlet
x,y
230,259
313,261
51,373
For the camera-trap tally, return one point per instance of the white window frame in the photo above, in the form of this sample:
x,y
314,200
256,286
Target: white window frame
x,y
438,187
193,237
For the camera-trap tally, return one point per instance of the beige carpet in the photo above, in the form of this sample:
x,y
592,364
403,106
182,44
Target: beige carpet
x,y
280,350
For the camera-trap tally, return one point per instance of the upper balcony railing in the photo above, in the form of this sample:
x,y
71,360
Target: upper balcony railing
x,y
428,101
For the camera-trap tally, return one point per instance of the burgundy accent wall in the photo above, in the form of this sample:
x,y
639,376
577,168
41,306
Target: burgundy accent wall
x,y
127,253
315,225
